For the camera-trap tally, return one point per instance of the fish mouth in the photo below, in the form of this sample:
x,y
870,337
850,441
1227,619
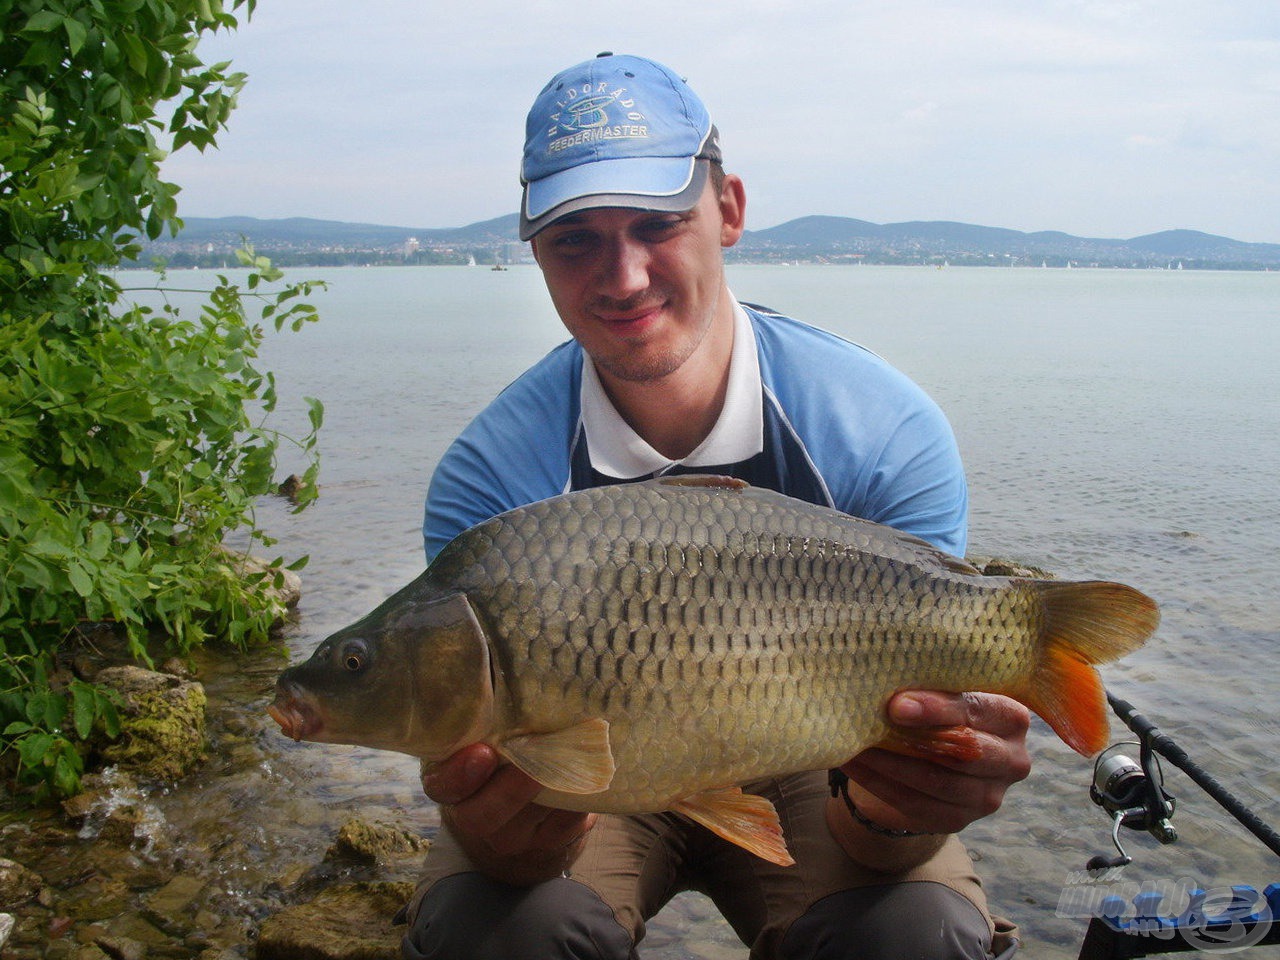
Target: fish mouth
x,y
298,720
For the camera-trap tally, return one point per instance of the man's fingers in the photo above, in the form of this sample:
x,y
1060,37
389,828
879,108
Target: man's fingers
x,y
461,775
986,712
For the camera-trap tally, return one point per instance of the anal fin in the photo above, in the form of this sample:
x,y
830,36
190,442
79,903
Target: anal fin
x,y
742,818
577,759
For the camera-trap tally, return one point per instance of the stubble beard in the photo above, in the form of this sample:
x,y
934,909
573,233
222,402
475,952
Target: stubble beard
x,y
637,366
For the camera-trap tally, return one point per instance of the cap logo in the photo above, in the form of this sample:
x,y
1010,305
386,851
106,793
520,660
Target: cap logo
x,y
594,112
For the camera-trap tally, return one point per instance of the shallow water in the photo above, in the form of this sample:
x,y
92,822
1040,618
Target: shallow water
x,y
1114,423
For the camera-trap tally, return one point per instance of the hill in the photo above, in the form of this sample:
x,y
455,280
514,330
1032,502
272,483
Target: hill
x,y
298,240
842,238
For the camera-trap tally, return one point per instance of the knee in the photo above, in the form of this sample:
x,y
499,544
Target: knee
x,y
922,920
470,917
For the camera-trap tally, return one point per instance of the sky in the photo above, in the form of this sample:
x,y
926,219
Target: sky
x,y
1100,118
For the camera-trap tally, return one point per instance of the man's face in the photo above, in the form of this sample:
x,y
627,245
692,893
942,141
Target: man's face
x,y
639,289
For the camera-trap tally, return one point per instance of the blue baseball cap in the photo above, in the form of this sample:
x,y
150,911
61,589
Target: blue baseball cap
x,y
615,131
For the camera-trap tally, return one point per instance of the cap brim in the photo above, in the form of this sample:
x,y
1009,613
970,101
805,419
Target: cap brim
x,y
671,184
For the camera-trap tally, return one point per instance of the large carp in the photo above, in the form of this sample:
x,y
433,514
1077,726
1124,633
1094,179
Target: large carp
x,y
651,646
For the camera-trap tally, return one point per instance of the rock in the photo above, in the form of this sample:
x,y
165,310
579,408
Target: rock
x,y
347,922
122,824
100,791
162,724
122,948
7,921
18,885
370,843
176,897
996,567
292,487
177,667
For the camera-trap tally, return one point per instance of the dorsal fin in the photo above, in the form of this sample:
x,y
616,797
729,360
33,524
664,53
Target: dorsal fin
x,y
704,480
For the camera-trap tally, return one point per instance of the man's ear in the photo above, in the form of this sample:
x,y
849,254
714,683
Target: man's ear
x,y
733,210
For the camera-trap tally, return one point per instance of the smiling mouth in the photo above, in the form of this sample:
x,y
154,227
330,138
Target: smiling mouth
x,y
630,317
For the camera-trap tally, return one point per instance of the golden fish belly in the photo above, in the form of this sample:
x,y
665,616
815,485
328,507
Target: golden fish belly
x,y
725,636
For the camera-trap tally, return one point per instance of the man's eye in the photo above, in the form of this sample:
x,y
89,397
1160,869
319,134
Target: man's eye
x,y
572,238
657,229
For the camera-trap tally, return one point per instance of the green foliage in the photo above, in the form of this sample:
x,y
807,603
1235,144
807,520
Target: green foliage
x,y
132,440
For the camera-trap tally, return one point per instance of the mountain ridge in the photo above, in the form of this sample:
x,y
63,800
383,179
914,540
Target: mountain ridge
x,y
819,237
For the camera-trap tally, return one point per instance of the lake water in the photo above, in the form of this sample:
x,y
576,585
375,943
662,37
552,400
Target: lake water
x,y
1118,424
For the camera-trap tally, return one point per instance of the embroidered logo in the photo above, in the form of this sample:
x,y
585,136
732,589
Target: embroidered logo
x,y
593,112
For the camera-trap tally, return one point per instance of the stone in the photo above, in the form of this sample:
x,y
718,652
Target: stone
x,y
18,885
344,922
179,895
162,723
122,824
996,567
364,842
122,948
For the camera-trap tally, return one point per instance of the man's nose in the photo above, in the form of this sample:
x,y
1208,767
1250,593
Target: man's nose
x,y
624,270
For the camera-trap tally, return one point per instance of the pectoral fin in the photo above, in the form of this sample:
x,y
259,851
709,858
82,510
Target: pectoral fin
x,y
741,818
574,760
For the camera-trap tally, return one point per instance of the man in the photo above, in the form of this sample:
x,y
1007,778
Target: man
x,y
628,211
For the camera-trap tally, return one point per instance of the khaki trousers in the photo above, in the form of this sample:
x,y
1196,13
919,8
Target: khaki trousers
x,y
824,906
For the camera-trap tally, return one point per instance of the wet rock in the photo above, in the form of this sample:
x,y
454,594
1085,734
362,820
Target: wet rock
x,y
99,792
997,567
177,667
178,897
122,948
162,725
66,950
99,898
360,841
292,487
348,922
18,885
123,824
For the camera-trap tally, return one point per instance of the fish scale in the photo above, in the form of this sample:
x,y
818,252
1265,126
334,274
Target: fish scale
x,y
642,647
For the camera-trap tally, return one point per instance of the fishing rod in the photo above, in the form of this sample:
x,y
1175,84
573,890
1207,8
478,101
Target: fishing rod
x,y
1137,789
1133,793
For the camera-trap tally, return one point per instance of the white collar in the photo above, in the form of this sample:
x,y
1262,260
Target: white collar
x,y
618,451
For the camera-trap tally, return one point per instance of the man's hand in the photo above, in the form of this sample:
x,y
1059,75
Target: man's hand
x,y
937,796
945,795
488,806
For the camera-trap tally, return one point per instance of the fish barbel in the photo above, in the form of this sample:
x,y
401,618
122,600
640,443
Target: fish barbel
x,y
652,646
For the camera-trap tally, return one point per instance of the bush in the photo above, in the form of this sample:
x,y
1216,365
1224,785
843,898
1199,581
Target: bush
x,y
132,440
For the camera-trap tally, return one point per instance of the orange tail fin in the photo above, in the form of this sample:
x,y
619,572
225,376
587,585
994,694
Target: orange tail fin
x,y
1084,623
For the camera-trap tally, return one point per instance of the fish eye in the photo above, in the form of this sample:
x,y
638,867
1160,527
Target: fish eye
x,y
355,655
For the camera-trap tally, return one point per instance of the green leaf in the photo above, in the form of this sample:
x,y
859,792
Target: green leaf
x,y
315,412
76,34
81,582
83,709
43,22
